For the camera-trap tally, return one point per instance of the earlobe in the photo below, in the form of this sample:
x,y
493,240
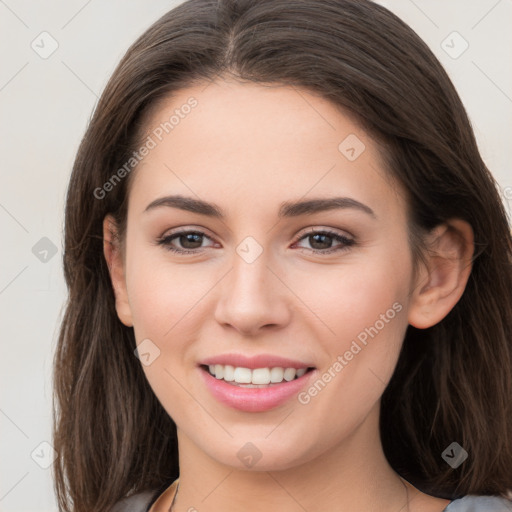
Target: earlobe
x,y
113,256
440,284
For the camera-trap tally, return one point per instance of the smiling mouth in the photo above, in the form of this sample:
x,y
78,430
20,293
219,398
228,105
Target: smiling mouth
x,y
255,378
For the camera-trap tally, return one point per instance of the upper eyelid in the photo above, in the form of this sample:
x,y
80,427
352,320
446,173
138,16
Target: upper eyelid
x,y
330,231
185,230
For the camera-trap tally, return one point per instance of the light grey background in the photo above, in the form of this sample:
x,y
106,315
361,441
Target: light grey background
x,y
45,105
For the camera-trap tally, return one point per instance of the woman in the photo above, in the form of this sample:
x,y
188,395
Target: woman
x,y
289,275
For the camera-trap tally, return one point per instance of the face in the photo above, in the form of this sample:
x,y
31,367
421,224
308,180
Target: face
x,y
324,288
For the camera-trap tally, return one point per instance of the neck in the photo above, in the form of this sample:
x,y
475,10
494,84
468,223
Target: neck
x,y
353,475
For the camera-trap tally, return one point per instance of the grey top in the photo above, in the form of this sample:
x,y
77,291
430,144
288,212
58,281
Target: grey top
x,y
480,504
137,503
142,501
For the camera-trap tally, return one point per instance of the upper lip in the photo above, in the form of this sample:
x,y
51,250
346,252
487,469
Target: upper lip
x,y
258,361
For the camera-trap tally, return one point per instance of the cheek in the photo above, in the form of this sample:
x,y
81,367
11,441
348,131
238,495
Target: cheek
x,y
168,303
364,306
349,299
163,300
162,294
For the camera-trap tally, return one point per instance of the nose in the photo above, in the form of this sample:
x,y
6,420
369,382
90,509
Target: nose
x,y
253,296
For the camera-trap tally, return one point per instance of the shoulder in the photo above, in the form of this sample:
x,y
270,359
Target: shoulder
x,y
139,502
480,504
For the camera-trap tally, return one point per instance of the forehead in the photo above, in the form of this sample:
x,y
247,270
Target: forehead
x,y
255,142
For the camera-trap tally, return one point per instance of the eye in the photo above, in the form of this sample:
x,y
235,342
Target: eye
x,y
190,241
321,241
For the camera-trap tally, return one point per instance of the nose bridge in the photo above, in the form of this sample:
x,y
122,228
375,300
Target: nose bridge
x,y
251,278
251,269
252,295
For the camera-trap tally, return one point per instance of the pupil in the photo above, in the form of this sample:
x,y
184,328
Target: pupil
x,y
188,239
326,245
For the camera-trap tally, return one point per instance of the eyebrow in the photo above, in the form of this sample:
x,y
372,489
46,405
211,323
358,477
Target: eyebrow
x,y
287,209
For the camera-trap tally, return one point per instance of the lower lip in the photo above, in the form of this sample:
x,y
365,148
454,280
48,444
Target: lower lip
x,y
254,399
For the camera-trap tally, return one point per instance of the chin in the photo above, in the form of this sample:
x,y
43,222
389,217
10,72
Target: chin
x,y
259,454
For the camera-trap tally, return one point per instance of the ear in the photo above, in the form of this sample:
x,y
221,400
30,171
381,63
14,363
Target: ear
x,y
114,257
440,284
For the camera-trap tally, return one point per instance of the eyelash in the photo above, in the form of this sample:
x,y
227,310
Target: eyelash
x,y
165,241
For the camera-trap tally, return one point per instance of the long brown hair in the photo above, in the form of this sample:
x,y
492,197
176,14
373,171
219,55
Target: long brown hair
x,y
453,381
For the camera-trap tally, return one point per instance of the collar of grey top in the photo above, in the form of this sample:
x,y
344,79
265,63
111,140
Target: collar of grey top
x,y
142,502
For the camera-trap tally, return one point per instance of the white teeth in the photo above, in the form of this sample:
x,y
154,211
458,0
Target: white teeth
x,y
229,373
242,375
256,377
219,371
276,375
261,376
289,374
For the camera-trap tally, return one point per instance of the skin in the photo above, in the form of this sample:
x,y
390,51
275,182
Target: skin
x,y
248,148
